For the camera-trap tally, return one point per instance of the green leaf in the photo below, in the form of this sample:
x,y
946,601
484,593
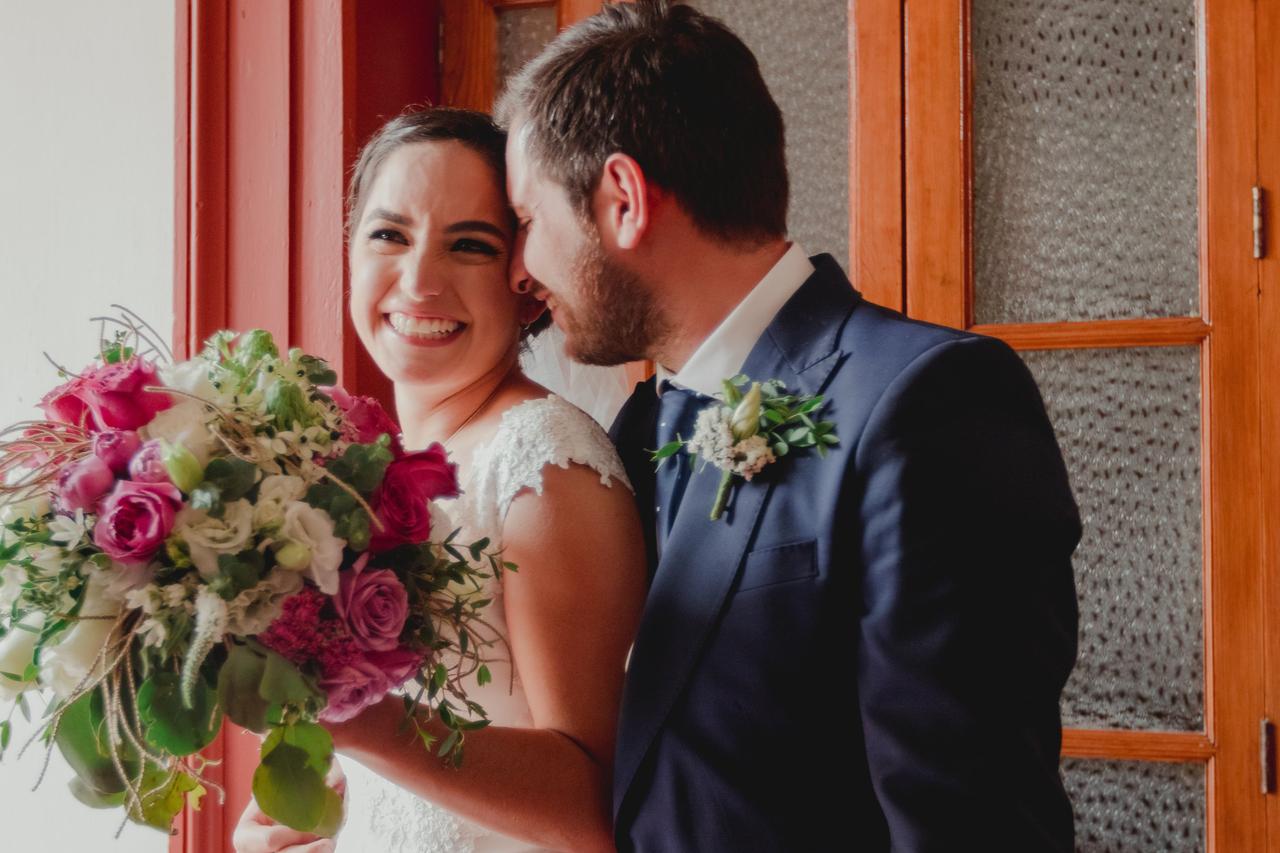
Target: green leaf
x,y
449,743
6,731
239,683
667,450
160,807
483,676
238,572
289,782
234,478
740,379
92,797
168,724
283,684
810,405
773,416
732,396
362,467
81,739
440,676
317,370
829,439
781,448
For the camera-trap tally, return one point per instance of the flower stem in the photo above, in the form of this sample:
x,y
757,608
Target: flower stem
x,y
722,495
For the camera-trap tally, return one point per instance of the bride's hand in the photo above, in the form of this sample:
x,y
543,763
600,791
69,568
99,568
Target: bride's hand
x,y
257,833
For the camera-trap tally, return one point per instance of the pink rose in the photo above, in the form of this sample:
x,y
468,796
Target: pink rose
x,y
117,398
374,606
66,403
353,688
83,483
364,418
116,447
403,500
147,465
109,397
135,520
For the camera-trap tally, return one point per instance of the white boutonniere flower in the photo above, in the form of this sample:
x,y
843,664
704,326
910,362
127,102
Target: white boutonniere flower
x,y
750,429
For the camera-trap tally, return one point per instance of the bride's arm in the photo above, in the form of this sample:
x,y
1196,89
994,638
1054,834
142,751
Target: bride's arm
x,y
572,610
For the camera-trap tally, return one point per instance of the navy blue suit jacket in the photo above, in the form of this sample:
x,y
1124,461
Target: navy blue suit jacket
x,y
867,652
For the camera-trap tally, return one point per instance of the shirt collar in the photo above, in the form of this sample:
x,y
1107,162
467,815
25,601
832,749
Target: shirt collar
x,y
721,355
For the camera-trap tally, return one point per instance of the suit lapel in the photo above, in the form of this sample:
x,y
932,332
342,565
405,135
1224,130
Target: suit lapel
x,y
702,557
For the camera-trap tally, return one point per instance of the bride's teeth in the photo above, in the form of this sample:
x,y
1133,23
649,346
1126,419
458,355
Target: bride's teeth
x,y
423,327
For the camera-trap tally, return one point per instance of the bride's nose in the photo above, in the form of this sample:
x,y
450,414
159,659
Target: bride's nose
x,y
420,277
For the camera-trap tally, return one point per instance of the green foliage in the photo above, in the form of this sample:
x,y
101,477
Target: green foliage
x,y
238,572
363,466
289,782
168,723
350,521
82,740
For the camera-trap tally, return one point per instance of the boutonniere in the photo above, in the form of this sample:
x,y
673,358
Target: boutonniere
x,y
755,425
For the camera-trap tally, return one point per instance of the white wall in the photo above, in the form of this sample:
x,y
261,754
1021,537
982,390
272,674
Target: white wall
x,y
86,219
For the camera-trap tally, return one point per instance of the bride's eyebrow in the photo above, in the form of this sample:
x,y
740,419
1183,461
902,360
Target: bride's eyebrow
x,y
390,216
477,225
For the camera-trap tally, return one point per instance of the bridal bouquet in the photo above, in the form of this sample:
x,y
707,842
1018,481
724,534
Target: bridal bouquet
x,y
232,536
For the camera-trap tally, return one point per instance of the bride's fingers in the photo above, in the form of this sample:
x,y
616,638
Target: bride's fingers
x,y
274,838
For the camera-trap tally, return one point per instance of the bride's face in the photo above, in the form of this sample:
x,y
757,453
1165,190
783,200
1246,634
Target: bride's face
x,y
430,294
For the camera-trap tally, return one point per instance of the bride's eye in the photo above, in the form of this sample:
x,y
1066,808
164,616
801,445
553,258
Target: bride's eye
x,y
477,247
388,235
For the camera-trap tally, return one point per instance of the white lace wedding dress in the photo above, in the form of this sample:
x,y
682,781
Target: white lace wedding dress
x,y
384,818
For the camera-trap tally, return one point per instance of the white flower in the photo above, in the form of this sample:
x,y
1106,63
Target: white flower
x,y
17,651
207,537
313,529
48,560
187,424
69,531
192,377
11,580
121,579
211,617
31,509
252,611
713,437
751,455
275,492
66,666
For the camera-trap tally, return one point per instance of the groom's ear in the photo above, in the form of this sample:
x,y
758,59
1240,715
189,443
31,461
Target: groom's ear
x,y
623,201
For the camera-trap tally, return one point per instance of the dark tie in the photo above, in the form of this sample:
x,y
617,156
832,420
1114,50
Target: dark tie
x,y
677,413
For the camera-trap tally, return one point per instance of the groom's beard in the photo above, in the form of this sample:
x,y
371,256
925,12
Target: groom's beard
x,y
614,318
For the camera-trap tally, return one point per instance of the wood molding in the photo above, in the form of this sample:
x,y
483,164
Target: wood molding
x,y
1136,746
469,45
876,177
569,12
1104,334
936,154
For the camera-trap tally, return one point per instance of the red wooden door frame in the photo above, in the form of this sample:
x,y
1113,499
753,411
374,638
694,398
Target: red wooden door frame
x,y
273,100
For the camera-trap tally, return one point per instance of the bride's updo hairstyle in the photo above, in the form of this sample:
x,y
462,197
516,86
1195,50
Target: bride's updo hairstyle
x,y
475,130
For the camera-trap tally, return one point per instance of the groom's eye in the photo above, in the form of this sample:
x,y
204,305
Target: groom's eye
x,y
478,247
389,235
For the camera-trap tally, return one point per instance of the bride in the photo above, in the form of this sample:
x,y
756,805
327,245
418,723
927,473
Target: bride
x,y
441,301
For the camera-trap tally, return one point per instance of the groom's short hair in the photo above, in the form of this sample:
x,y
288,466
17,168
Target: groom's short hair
x,y
674,89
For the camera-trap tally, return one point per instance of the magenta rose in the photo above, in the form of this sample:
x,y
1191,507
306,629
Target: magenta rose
x,y
374,605
116,397
135,519
116,447
83,483
402,502
364,419
147,465
353,688
397,665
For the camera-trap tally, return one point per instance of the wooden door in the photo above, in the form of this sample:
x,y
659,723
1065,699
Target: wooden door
x,y
1076,180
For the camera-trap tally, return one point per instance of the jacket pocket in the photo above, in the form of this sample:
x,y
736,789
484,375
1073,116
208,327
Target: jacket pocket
x,y
779,564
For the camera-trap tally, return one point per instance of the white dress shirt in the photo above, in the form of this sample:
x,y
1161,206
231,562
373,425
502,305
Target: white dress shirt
x,y
723,353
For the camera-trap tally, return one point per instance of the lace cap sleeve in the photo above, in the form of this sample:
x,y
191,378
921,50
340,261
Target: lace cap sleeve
x,y
534,434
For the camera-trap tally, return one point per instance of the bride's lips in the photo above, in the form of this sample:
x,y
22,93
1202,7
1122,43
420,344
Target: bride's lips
x,y
424,331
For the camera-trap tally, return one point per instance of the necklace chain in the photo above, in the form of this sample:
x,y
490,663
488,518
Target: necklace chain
x,y
475,411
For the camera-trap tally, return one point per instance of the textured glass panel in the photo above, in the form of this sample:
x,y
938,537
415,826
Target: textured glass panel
x,y
803,50
1129,424
1084,160
1132,806
521,34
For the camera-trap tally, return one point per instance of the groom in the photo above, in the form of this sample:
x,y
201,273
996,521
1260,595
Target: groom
x,y
866,652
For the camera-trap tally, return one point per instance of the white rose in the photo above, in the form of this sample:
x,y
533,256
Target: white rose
x,y
276,492
207,537
313,529
252,611
185,423
66,666
17,651
192,377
